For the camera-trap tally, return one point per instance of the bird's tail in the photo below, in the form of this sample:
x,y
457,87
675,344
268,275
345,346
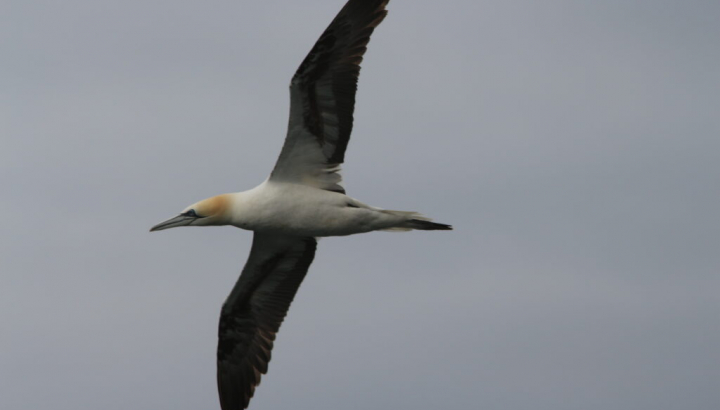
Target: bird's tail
x,y
414,220
424,225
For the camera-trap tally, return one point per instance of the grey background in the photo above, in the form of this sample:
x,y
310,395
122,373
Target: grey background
x,y
573,145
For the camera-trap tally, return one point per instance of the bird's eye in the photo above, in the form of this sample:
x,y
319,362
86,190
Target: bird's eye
x,y
191,213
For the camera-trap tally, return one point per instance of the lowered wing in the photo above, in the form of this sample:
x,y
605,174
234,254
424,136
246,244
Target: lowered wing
x,y
252,314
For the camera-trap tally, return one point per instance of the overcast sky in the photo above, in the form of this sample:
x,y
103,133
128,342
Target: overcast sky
x,y
574,146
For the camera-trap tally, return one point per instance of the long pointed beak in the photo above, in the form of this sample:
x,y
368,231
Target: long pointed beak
x,y
180,220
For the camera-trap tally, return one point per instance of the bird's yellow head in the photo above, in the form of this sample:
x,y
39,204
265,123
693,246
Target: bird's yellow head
x,y
211,211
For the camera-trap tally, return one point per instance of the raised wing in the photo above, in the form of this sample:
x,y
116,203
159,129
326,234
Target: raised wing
x,y
322,98
252,314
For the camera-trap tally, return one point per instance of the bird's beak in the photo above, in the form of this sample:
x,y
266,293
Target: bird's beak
x,y
180,220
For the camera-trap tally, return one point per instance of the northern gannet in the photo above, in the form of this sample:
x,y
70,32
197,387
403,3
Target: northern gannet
x,y
301,200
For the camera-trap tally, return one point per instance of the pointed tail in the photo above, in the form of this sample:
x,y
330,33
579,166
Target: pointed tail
x,y
426,225
414,220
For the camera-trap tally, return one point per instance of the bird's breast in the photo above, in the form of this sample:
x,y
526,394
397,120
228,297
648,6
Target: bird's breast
x,y
300,210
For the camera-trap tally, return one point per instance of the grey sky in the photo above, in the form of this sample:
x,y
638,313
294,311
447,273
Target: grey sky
x,y
573,144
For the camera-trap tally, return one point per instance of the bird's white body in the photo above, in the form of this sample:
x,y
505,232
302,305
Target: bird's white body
x,y
300,210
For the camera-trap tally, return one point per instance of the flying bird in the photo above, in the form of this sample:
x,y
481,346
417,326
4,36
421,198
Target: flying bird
x,y
301,200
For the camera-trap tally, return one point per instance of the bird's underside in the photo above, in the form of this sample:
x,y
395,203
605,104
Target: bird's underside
x,y
303,198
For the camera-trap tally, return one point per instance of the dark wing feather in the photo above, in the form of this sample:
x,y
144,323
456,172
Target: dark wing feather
x,y
322,98
252,314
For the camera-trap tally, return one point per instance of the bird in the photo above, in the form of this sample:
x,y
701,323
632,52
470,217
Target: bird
x,y
303,199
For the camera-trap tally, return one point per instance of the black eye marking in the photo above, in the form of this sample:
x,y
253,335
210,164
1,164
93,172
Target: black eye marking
x,y
191,213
